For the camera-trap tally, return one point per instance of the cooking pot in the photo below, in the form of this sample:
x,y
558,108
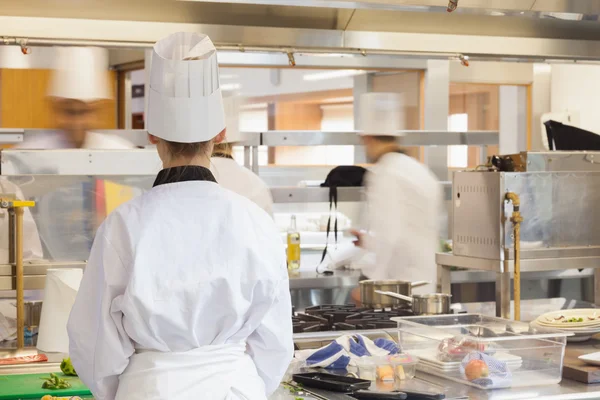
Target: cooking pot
x,y
424,304
369,297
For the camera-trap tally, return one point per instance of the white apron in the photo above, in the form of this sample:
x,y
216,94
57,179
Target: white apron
x,y
223,372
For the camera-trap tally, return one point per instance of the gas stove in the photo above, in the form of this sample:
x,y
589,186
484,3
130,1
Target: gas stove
x,y
346,317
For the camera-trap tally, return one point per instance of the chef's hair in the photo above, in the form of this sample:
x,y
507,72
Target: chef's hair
x,y
222,150
188,150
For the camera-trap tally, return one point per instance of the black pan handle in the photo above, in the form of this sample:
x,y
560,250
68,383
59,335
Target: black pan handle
x,y
424,395
369,395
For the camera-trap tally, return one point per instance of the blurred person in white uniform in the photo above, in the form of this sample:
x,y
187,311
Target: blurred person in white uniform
x,y
228,172
403,200
185,294
78,86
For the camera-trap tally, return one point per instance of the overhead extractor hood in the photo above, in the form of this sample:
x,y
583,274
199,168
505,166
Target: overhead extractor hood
x,y
562,9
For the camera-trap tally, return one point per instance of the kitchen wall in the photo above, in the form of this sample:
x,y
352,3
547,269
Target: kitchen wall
x,y
577,88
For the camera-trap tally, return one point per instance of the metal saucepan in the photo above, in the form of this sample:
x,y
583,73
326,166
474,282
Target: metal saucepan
x,y
369,297
424,304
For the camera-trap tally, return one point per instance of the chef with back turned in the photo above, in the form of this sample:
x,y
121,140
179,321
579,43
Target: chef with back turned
x,y
185,294
403,201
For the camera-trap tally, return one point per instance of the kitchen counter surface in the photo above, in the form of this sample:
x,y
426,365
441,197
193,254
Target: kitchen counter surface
x,y
566,390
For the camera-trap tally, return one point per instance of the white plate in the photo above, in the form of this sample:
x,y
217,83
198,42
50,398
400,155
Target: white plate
x,y
578,335
593,358
547,319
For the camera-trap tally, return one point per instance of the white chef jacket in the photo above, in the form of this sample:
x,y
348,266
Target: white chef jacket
x,y
185,296
242,181
404,201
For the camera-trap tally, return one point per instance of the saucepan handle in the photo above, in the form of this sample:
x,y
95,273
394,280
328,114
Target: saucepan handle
x,y
419,284
395,295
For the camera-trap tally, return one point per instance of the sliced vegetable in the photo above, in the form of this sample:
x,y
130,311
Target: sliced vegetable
x,y
55,383
67,367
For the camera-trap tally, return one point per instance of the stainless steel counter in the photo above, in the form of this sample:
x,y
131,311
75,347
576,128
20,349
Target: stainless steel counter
x,y
566,390
312,280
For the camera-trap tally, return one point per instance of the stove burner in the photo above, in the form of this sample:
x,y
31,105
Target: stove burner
x,y
346,317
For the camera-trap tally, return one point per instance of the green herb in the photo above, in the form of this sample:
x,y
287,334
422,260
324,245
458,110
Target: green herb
x,y
67,367
55,383
574,320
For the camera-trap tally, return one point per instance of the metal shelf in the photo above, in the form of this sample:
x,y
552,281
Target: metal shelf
x,y
314,194
321,194
411,138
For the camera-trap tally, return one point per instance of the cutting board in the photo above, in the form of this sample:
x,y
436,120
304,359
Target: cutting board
x,y
576,369
29,386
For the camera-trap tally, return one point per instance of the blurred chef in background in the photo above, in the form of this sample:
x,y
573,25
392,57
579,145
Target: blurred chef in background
x,y
228,172
403,200
79,85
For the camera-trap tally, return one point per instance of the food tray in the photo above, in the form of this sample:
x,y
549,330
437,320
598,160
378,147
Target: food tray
x,y
532,356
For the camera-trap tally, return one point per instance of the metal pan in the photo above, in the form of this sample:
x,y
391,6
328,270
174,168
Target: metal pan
x,y
424,304
370,298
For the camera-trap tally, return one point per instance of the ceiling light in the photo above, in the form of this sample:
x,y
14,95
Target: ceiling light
x,y
343,73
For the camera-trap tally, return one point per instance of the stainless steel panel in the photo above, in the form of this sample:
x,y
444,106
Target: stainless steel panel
x,y
11,135
565,6
490,46
529,265
312,280
314,194
309,138
410,138
80,162
551,161
559,211
476,214
300,38
485,276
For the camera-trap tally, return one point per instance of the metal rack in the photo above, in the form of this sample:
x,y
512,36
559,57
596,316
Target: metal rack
x,y
147,162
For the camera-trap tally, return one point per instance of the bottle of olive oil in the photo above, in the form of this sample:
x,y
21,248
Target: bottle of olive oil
x,y
293,246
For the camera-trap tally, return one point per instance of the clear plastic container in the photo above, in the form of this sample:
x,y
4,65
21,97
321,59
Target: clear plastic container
x,y
404,365
516,354
367,368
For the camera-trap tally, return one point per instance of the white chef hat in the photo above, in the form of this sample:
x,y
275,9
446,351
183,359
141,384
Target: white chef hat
x,y
184,100
232,105
381,114
80,73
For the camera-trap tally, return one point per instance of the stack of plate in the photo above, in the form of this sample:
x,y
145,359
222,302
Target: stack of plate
x,y
588,323
428,358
